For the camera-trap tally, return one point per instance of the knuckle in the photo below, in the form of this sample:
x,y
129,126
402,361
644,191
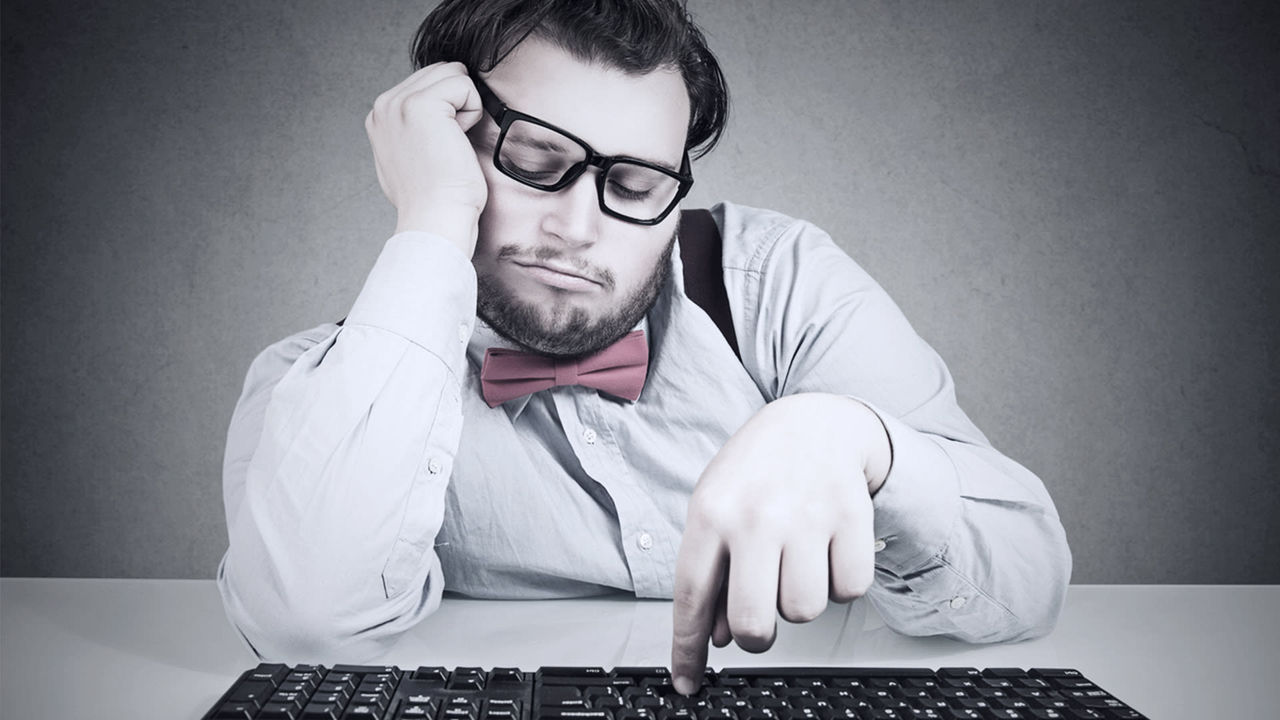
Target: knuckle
x,y
850,588
842,594
688,644
685,602
708,514
802,610
753,633
685,651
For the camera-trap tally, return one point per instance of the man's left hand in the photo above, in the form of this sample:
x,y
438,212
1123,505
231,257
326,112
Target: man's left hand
x,y
779,523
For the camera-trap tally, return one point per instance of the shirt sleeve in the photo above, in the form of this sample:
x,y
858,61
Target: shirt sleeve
x,y
337,460
973,547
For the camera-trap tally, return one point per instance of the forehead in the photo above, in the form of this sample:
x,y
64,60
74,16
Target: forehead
x,y
644,116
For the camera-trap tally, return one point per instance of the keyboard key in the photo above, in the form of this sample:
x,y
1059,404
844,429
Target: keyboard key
x,y
1004,673
346,679
321,711
293,699
279,711
251,693
642,672
236,711
269,672
466,679
569,713
557,694
1043,714
293,686
1055,672
572,672
367,669
432,674
506,676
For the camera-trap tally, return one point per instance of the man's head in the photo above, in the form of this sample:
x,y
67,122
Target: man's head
x,y
621,78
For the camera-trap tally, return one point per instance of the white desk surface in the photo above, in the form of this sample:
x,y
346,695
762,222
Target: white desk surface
x,y
164,649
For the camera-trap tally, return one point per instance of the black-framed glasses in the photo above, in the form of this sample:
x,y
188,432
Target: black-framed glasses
x,y
541,155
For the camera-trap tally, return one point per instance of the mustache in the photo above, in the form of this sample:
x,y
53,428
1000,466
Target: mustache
x,y
544,253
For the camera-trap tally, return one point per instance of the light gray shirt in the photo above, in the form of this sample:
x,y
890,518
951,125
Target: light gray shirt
x,y
364,474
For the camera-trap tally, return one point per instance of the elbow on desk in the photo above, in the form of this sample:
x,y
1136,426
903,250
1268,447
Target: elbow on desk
x,y
1024,581
1020,595
973,617
297,627
1028,603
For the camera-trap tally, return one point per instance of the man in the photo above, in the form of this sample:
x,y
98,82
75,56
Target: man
x,y
536,160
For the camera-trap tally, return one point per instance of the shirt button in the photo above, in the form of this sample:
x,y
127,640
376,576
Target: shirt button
x,y
879,545
645,541
589,435
433,466
464,333
957,602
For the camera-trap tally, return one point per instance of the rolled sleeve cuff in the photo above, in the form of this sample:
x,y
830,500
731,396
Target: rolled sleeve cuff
x,y
423,289
918,505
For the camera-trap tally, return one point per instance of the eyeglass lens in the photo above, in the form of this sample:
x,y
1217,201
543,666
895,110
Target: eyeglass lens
x,y
540,156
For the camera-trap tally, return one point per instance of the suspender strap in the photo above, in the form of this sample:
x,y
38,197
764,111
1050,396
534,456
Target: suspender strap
x,y
700,253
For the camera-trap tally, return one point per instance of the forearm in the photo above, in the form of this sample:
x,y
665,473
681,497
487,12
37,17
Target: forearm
x,y
972,543
330,545
337,462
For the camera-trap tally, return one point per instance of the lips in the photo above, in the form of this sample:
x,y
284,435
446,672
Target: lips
x,y
559,276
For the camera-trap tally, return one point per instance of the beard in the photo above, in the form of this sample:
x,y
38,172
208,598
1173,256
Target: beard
x,y
562,330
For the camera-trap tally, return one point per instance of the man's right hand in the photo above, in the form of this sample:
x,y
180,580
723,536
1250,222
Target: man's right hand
x,y
425,163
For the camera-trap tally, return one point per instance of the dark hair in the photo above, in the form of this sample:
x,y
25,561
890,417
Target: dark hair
x,y
634,36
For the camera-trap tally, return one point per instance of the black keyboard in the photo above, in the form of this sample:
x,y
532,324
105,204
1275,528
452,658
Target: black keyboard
x,y
312,692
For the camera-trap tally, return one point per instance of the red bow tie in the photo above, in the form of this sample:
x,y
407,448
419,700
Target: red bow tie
x,y
619,370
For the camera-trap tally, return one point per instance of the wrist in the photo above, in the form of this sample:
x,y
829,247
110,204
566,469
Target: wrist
x,y
458,224
854,426
878,455
871,437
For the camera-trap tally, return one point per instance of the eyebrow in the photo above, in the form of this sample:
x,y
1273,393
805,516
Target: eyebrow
x,y
538,144
664,165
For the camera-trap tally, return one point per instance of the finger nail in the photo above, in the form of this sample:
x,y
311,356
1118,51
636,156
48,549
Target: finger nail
x,y
683,685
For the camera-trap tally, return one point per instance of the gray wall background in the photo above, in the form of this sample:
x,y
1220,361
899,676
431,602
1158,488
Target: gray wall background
x,y
1077,204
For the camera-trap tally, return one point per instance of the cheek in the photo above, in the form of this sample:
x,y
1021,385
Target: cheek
x,y
496,220
636,255
509,210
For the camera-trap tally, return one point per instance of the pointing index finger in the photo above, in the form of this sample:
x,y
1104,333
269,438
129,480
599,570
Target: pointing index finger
x,y
700,574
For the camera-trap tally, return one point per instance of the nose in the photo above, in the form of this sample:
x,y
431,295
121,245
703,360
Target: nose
x,y
573,214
